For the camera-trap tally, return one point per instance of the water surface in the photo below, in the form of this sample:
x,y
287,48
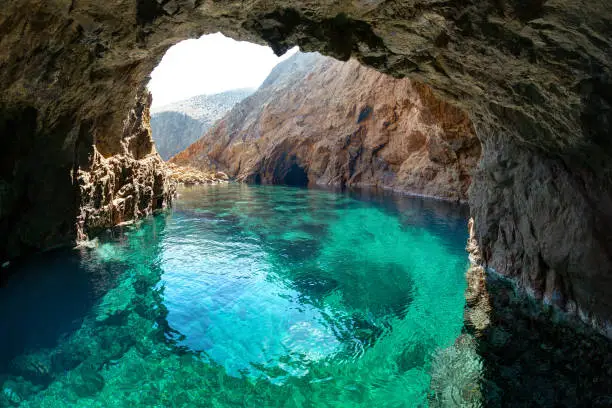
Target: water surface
x,y
242,296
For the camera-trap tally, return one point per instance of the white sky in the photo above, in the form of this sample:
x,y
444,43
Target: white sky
x,y
211,64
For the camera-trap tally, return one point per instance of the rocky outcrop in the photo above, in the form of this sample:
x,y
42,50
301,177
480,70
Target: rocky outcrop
x,y
319,121
189,176
177,125
126,186
535,77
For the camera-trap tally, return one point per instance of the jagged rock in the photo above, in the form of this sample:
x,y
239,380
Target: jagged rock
x,y
535,77
126,186
316,120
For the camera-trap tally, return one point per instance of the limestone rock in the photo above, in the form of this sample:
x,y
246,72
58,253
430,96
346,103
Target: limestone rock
x,y
126,186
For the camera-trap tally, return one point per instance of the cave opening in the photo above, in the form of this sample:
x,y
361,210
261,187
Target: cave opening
x,y
197,82
296,176
80,69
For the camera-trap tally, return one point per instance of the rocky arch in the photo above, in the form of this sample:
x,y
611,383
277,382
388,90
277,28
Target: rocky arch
x,y
535,76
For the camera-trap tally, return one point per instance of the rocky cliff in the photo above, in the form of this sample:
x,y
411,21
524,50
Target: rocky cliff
x,y
316,120
177,125
535,77
124,186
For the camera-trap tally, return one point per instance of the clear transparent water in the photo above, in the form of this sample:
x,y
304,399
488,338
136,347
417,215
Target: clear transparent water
x,y
254,296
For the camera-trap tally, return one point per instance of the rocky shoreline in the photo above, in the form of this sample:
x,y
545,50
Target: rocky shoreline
x,y
189,176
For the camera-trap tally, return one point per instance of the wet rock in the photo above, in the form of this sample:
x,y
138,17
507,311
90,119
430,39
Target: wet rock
x,y
531,355
124,186
456,374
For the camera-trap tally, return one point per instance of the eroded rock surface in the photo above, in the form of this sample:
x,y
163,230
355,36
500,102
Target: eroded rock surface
x,y
316,120
534,75
126,186
514,352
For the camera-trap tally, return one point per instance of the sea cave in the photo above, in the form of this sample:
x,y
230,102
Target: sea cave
x,y
412,207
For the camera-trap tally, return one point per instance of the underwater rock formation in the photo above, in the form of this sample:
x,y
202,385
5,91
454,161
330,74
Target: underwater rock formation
x,y
535,77
319,121
509,342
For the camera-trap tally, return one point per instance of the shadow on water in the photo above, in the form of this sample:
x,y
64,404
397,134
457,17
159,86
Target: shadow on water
x,y
522,354
47,298
114,344
515,352
531,360
68,311
444,218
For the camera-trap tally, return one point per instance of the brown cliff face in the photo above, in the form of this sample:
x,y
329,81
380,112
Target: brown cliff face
x,y
534,77
319,121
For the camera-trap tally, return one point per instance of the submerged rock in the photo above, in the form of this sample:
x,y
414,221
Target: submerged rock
x,y
11,396
530,353
534,77
35,367
88,382
456,375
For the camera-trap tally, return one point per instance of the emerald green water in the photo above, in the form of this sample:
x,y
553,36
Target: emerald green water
x,y
242,296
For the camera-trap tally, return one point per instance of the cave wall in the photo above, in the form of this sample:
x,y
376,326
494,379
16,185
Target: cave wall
x,y
535,76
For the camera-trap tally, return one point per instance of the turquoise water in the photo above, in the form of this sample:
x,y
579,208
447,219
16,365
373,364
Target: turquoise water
x,y
242,296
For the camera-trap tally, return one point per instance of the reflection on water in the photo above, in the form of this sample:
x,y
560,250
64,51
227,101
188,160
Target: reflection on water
x,y
243,296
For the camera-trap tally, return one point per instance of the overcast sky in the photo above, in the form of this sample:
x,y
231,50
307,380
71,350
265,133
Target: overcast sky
x,y
211,64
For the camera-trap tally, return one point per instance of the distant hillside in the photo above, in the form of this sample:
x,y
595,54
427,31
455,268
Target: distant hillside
x,y
175,126
319,121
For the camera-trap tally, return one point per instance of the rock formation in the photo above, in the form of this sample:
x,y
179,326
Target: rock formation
x,y
124,186
534,75
189,176
319,121
177,125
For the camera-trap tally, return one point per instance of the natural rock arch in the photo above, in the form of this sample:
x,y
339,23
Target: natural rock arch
x,y
535,76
